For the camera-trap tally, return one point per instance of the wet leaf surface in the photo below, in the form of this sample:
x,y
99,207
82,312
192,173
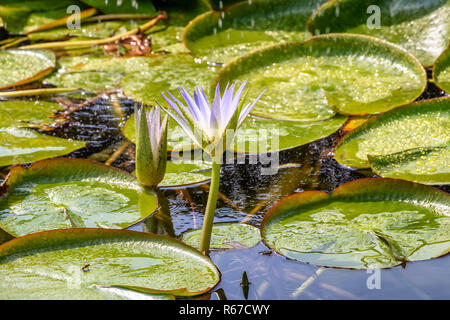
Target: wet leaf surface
x,y
52,265
367,223
441,71
420,26
72,193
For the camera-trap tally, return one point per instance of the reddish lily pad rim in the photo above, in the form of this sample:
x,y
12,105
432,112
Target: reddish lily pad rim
x,y
411,58
352,188
50,238
35,77
438,60
375,119
17,171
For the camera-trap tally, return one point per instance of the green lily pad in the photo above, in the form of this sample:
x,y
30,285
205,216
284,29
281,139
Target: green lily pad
x,y
420,26
276,135
264,134
69,193
220,4
49,265
19,67
424,165
24,15
422,124
21,145
166,73
5,236
441,71
364,224
226,236
307,81
181,173
219,36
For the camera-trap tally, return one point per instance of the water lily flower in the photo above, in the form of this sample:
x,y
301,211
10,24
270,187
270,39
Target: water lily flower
x,y
151,146
210,126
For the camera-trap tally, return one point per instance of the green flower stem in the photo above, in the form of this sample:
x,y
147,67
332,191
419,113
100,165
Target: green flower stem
x,y
210,208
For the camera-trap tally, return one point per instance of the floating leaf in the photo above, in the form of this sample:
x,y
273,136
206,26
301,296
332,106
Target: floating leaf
x,y
166,73
226,236
24,15
441,71
305,81
424,165
256,135
5,236
49,265
219,36
419,26
220,4
364,224
19,67
186,172
67,193
275,135
20,145
422,124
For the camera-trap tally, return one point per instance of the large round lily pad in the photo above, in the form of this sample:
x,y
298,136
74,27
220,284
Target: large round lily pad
x,y
424,165
219,36
441,71
422,124
68,264
19,67
256,135
367,223
21,145
71,193
308,81
226,236
420,26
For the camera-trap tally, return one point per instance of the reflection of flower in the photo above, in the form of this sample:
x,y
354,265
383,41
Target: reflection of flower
x,y
207,125
151,146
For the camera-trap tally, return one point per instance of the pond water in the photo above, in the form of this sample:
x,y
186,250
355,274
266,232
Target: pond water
x,y
247,197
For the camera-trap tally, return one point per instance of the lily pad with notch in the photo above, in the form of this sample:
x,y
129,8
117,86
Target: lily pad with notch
x,y
311,80
441,71
49,265
364,224
422,124
69,193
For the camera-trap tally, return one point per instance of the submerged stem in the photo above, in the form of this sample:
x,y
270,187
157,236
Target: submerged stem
x,y
210,208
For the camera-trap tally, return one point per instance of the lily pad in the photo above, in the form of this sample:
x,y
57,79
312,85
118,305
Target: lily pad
x,y
441,71
182,173
166,73
308,81
424,165
219,36
419,26
364,224
226,236
21,145
220,4
260,135
256,135
19,67
422,124
69,193
52,265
